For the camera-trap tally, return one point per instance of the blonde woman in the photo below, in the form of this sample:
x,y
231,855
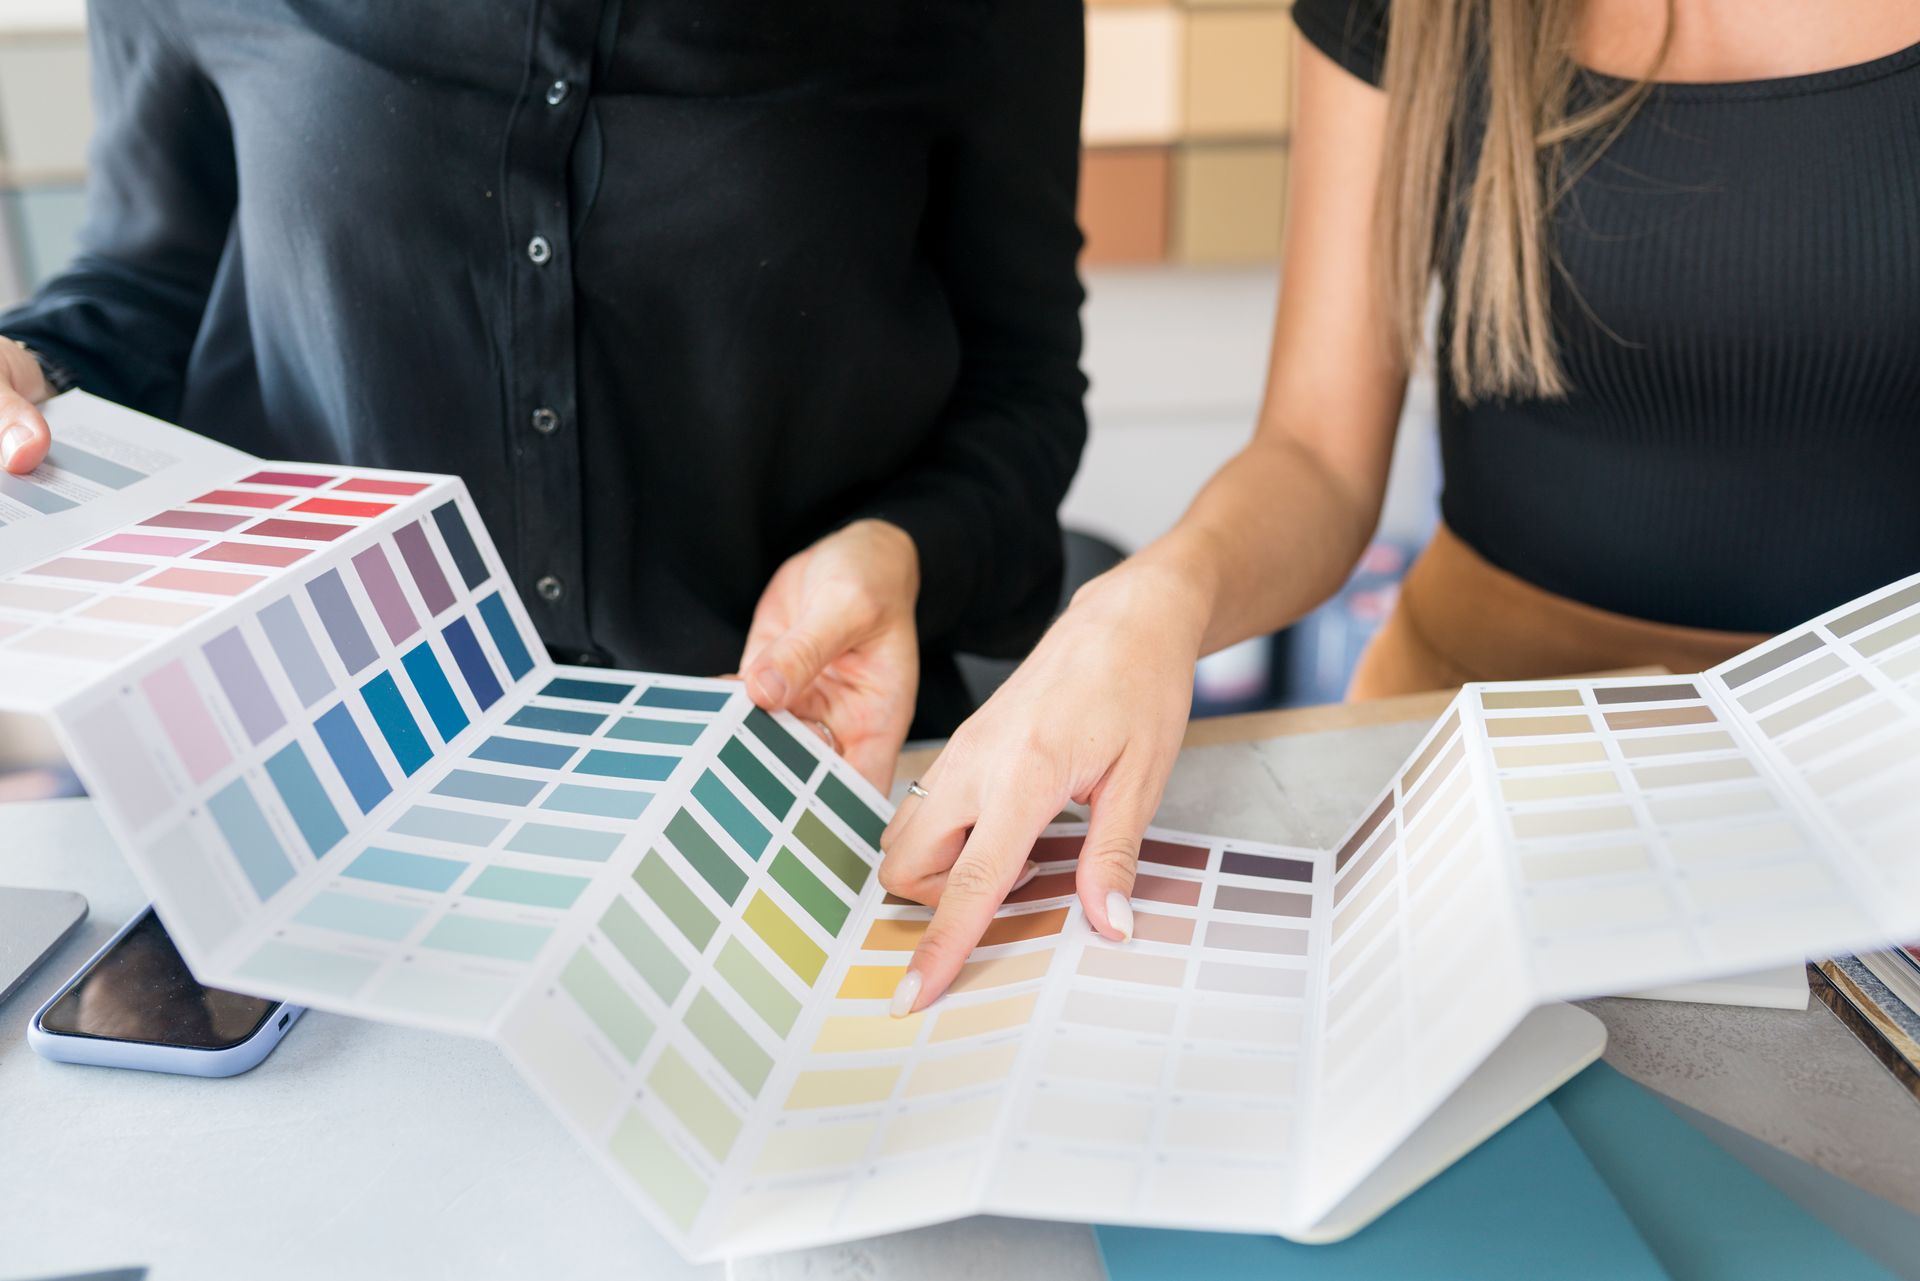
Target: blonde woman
x,y
1678,252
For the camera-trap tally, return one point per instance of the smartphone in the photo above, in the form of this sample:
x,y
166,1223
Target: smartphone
x,y
136,1005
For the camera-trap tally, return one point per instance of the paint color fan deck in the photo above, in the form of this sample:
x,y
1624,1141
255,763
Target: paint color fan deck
x,y
315,715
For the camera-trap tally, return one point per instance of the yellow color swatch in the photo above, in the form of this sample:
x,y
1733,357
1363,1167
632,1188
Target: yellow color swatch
x,y
840,1087
814,1147
978,1020
962,1071
788,941
870,982
876,982
852,1033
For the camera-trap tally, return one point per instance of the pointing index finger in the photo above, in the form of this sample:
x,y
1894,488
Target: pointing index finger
x,y
976,885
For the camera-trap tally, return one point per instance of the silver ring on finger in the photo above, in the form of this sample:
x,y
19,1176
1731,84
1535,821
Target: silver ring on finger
x,y
914,789
826,732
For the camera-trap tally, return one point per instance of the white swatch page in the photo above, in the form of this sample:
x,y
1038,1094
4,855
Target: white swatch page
x,y
318,720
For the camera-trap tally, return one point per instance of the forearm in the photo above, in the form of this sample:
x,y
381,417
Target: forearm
x,y
123,316
1273,534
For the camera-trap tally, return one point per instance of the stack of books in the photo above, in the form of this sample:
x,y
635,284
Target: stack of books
x,y
1877,995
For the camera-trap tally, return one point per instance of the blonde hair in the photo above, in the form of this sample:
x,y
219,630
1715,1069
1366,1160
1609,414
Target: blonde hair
x,y
1506,68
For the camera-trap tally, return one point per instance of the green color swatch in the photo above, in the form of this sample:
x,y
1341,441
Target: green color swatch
x,y
757,778
699,1107
834,854
662,1173
853,811
728,1042
787,749
664,886
716,867
765,993
611,1009
644,950
809,891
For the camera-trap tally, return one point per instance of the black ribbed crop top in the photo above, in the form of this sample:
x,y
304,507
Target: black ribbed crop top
x,y
1740,322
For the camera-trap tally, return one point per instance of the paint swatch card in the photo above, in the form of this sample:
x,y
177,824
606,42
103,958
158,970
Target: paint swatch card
x,y
317,718
105,469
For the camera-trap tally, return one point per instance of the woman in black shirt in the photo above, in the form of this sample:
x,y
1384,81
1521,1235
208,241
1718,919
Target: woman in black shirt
x,y
686,290
1678,349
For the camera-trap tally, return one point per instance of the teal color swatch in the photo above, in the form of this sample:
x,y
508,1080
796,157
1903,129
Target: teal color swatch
x,y
305,799
563,842
1524,1206
351,914
413,871
639,729
478,936
557,720
732,814
1703,1213
602,802
252,841
523,751
434,824
530,889
636,765
501,789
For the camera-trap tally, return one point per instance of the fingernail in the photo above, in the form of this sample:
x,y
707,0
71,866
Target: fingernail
x,y
1026,874
1120,914
772,684
905,995
12,441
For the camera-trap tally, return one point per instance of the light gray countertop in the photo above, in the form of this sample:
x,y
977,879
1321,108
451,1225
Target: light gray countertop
x,y
370,1151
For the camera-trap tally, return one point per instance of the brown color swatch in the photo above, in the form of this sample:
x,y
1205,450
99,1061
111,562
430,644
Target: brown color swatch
x,y
1657,717
1238,73
1229,202
1125,199
1167,889
1167,854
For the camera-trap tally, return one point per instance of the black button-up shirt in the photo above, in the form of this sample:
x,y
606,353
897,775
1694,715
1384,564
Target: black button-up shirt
x,y
677,286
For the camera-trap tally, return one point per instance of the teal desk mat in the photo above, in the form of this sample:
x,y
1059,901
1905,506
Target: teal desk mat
x,y
1603,1181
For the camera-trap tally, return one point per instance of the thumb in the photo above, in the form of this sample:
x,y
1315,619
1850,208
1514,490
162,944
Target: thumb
x,y
787,666
24,436
1110,858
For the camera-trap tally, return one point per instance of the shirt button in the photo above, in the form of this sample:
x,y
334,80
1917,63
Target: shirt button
x,y
557,92
550,588
539,250
545,421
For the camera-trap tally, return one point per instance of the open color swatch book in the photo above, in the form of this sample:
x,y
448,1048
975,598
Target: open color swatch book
x,y
318,721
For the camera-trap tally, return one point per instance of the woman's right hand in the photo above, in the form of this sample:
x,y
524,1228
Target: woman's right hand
x,y
1095,715
24,435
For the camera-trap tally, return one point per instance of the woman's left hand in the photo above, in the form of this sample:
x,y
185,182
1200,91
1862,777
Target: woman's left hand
x,y
833,642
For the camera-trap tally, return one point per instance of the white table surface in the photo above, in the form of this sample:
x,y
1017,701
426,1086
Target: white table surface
x,y
366,1151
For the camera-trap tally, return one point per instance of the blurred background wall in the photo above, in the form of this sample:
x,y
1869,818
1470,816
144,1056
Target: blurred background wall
x,y
1182,196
